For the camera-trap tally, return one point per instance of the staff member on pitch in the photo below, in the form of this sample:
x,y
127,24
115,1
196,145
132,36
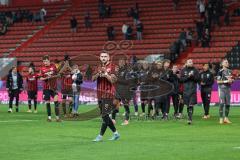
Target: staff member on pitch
x,y
189,78
123,85
14,87
206,82
224,80
106,78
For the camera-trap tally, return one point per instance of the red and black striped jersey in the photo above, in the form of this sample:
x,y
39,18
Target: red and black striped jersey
x,y
49,71
66,82
105,89
32,84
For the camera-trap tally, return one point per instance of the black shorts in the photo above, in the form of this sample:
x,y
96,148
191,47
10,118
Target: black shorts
x,y
32,94
47,94
106,106
67,93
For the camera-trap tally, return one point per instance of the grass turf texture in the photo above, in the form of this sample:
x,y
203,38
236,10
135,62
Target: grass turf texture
x,y
72,140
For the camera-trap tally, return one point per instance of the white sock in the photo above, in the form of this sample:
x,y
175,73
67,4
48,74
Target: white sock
x,y
116,132
49,117
57,117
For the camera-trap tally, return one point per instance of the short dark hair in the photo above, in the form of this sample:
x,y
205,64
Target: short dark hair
x,y
46,57
166,61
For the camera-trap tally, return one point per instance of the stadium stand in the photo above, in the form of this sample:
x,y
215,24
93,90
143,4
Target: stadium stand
x,y
162,25
160,30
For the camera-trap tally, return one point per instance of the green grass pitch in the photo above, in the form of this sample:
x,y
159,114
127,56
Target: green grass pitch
x,y
28,136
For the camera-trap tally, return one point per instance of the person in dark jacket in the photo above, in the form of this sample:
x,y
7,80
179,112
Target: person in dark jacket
x,y
123,89
14,87
167,76
73,24
206,82
175,93
110,33
144,80
189,77
159,102
87,20
139,28
77,81
227,18
129,32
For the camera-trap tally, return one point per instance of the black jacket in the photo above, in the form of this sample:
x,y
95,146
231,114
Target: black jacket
x,y
207,78
78,81
189,82
175,82
9,83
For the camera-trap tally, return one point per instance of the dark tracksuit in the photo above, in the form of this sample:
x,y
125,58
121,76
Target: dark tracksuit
x,y
14,91
167,76
189,88
175,93
143,80
207,78
159,102
123,91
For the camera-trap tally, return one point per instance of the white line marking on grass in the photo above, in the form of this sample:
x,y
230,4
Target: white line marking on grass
x,y
23,120
236,147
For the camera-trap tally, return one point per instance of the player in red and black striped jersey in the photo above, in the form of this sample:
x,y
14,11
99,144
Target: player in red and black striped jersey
x,y
48,74
66,86
32,88
105,77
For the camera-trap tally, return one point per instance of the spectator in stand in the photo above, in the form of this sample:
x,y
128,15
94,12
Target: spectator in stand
x,y
129,32
199,29
189,36
206,38
73,23
110,33
43,14
175,50
183,39
4,29
139,28
172,50
87,20
108,10
36,17
137,6
216,16
19,15
226,18
130,12
175,4
30,17
101,10
135,16
124,30
202,8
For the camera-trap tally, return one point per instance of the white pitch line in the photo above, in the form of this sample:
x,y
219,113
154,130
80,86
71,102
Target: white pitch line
x,y
236,147
24,120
